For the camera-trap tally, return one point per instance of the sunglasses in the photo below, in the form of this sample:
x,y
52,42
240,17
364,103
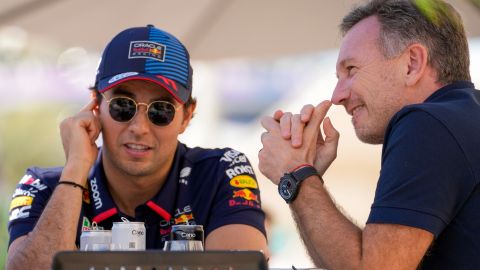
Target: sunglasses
x,y
123,109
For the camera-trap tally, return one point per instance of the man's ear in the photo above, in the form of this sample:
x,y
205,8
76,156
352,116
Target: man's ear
x,y
187,116
96,96
417,60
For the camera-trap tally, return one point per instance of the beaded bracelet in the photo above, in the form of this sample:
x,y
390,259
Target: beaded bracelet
x,y
72,184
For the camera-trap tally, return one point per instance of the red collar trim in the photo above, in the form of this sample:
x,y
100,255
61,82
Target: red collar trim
x,y
159,210
102,216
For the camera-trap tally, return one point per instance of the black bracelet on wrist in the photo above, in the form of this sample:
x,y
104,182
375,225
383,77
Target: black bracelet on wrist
x,y
70,183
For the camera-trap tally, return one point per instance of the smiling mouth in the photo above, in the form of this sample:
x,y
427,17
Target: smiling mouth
x,y
137,147
354,110
357,109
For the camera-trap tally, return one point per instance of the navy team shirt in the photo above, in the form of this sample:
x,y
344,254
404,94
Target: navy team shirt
x,y
210,187
430,175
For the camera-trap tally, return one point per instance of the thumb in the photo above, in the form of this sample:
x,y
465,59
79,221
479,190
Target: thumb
x,y
318,115
331,134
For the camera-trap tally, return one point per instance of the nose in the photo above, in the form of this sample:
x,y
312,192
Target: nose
x,y
341,93
140,123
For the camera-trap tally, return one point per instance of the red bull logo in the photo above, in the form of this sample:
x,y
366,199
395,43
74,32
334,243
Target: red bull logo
x,y
155,51
246,194
185,218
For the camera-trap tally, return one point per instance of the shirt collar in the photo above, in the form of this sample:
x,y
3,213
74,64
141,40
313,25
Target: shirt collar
x,y
165,201
448,87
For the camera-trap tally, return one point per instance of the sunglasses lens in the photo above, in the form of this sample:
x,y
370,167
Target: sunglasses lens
x,y
122,109
161,113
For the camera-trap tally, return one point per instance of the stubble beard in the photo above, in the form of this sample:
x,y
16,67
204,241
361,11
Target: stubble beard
x,y
133,169
128,168
373,131
370,138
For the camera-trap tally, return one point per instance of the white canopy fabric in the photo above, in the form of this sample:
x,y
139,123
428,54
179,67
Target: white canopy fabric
x,y
211,29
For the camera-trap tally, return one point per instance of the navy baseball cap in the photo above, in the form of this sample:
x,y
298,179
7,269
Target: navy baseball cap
x,y
146,53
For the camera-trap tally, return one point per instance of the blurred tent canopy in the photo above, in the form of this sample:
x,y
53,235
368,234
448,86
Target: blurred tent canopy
x,y
211,29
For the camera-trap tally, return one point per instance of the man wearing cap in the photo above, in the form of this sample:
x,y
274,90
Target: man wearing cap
x,y
143,101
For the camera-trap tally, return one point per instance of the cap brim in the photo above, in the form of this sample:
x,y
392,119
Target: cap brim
x,y
177,90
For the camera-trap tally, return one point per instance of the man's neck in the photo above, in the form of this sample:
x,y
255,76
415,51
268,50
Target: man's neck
x,y
129,191
424,88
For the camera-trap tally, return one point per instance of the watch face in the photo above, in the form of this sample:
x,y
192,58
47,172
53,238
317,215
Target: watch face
x,y
287,187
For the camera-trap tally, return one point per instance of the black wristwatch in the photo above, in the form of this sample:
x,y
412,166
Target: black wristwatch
x,y
290,182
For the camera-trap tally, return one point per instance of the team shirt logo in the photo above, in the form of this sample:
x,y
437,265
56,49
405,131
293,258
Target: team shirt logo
x,y
23,196
184,215
184,173
184,219
21,201
235,159
243,181
21,212
96,194
29,180
31,192
240,169
246,194
85,224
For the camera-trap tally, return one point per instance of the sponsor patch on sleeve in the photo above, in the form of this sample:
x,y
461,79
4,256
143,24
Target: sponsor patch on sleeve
x,y
245,194
243,181
238,170
20,212
233,157
21,201
29,180
230,155
30,191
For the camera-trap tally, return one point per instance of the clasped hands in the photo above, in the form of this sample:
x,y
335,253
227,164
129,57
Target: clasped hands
x,y
291,140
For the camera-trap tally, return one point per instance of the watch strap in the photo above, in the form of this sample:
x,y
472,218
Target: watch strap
x,y
304,171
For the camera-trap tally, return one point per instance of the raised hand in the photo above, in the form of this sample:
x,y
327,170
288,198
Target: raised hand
x,y
292,125
278,156
79,133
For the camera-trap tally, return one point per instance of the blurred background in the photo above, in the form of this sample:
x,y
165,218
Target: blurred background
x,y
250,57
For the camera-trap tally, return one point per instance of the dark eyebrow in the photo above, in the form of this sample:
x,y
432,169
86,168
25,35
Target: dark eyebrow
x,y
123,92
168,98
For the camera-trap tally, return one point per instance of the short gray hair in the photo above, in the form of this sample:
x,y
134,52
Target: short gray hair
x,y
433,23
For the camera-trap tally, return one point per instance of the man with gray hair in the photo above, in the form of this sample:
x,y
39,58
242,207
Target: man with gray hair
x,y
403,76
